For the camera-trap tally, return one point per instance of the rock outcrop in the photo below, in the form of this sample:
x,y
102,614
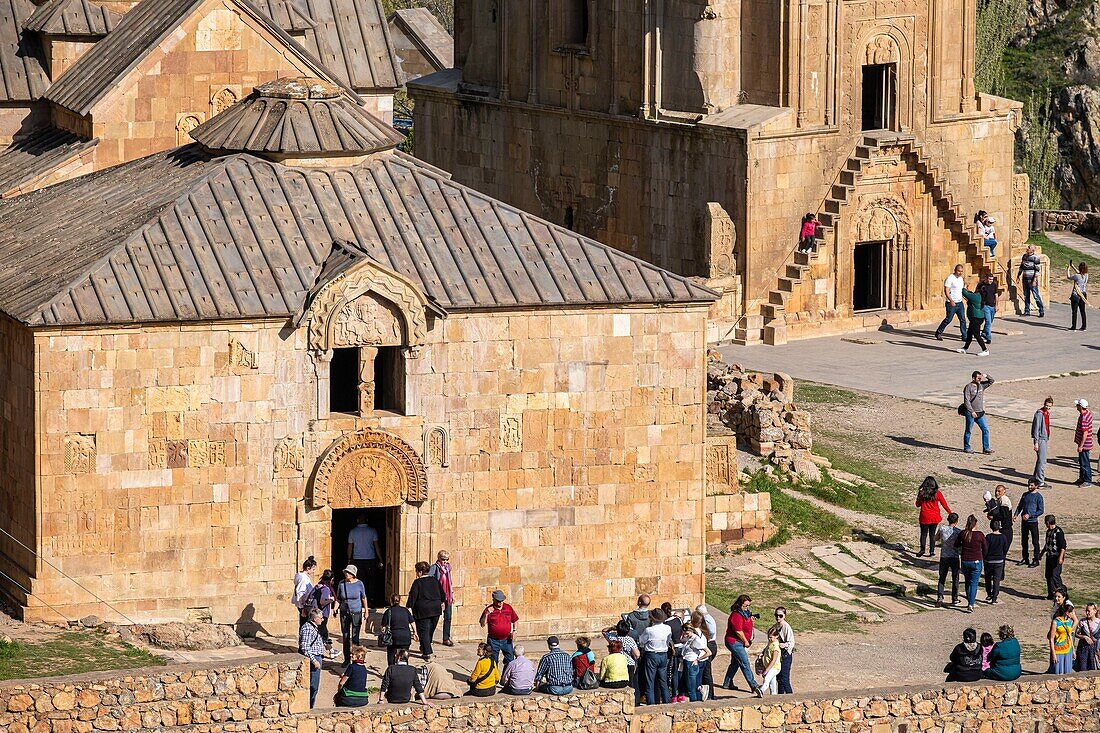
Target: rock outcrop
x,y
1076,117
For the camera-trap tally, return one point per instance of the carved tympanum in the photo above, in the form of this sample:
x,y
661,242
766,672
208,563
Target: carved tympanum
x,y
369,469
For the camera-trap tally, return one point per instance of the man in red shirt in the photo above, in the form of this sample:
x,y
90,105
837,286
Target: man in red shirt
x,y
738,638
500,620
1083,438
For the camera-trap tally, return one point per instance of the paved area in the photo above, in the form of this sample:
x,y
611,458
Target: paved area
x,y
911,363
1081,243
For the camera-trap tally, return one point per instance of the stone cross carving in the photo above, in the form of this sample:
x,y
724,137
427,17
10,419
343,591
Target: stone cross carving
x,y
289,456
721,239
435,446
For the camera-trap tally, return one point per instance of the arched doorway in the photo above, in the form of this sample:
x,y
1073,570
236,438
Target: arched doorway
x,y
371,475
880,85
880,255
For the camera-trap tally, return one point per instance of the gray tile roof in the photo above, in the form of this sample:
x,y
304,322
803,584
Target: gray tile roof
x,y
428,34
183,236
72,18
352,39
297,117
36,155
137,34
23,75
287,14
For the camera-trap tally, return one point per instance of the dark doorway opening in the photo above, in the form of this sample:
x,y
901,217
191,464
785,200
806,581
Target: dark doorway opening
x,y
879,96
389,379
386,522
343,381
869,276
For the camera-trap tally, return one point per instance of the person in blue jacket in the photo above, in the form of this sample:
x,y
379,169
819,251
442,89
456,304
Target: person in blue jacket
x,y
1030,508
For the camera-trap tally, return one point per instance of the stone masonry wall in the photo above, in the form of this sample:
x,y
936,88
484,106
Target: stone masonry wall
x,y
157,699
175,461
1083,222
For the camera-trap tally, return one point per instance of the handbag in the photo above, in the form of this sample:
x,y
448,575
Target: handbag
x,y
385,638
962,409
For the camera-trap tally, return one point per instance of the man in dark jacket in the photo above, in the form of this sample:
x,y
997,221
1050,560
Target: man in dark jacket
x,y
638,618
1030,508
975,321
1028,276
974,408
1055,550
966,659
426,604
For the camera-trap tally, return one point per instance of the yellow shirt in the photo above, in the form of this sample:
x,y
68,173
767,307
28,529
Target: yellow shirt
x,y
480,669
613,668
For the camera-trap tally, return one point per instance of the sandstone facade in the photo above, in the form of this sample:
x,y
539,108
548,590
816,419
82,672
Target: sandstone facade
x,y
187,452
700,146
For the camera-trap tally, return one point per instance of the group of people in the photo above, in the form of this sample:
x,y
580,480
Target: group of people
x,y
974,659
971,552
975,309
430,598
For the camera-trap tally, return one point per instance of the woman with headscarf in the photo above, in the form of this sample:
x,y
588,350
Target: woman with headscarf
x,y
929,500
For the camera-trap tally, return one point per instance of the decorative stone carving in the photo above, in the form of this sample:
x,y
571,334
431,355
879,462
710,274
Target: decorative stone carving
x,y
882,218
511,432
289,457
185,123
721,237
223,98
1021,196
881,50
435,446
202,453
327,309
80,453
366,322
158,453
721,464
177,454
240,357
369,469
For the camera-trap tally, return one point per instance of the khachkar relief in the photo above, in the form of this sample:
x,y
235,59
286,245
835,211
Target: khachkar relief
x,y
80,453
241,359
289,458
369,469
1021,196
435,446
721,238
368,306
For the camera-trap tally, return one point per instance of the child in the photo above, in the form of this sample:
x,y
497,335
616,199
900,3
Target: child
x,y
773,661
807,239
987,646
583,659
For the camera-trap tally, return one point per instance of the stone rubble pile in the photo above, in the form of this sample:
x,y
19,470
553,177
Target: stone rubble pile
x,y
759,408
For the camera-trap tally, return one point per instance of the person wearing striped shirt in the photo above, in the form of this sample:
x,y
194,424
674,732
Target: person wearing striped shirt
x,y
1083,438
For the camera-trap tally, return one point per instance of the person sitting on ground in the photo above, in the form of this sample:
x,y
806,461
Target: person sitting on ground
x,y
483,680
986,643
966,659
351,691
1004,657
614,668
438,683
519,675
399,681
582,660
554,675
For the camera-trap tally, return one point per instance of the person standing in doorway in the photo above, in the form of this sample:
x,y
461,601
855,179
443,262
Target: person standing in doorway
x,y
973,406
975,317
1078,297
949,560
971,546
786,649
1082,437
1030,508
312,646
365,553
351,596
499,619
929,500
738,640
953,303
1055,550
1040,438
988,290
1028,277
426,604
441,571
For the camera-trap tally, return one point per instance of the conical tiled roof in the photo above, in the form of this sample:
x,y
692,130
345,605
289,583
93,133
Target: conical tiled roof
x,y
297,117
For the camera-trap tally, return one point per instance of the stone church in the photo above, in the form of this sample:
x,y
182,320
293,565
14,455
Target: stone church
x,y
696,135
216,356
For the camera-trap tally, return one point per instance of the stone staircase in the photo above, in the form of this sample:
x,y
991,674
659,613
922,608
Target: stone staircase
x,y
770,326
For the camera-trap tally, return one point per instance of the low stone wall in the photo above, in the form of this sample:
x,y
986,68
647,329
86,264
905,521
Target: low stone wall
x,y
1045,220
1030,705
156,698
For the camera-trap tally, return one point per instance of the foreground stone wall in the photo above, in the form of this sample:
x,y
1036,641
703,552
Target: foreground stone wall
x,y
156,699
1084,222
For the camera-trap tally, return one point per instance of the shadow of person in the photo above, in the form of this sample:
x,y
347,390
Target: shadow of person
x,y
247,627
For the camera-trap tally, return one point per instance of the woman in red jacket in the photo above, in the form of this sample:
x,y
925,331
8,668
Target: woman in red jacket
x,y
930,499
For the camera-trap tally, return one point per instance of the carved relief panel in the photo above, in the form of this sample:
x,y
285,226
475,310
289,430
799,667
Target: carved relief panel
x,y
366,321
369,469
435,446
80,453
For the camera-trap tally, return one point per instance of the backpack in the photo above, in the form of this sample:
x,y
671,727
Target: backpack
x,y
584,673
313,599
638,624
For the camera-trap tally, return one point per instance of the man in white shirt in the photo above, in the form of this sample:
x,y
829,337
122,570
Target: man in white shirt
x,y
654,643
365,552
953,303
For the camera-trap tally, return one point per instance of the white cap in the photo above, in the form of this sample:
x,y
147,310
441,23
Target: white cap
x,y
987,496
1082,403
991,220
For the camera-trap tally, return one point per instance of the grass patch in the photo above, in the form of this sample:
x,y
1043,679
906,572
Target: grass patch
x,y
795,517
811,393
858,496
70,653
1081,574
1060,256
767,594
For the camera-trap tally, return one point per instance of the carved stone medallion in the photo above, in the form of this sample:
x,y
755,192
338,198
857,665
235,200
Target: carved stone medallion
x,y
369,469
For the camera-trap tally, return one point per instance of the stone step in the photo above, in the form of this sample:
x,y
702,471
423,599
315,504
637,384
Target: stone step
x,y
890,605
775,333
796,271
826,588
787,284
840,561
836,605
771,311
778,297
870,554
